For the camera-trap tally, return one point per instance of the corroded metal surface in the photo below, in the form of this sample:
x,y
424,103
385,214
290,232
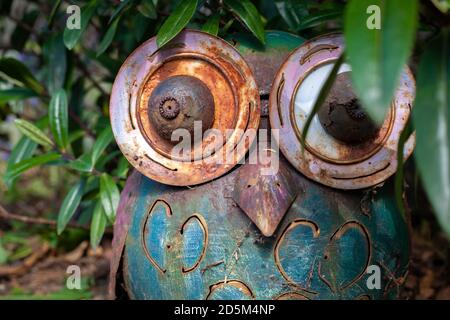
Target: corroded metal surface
x,y
342,116
264,198
326,159
177,102
198,244
236,107
264,61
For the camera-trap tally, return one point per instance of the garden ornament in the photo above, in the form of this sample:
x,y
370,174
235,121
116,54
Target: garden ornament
x,y
311,223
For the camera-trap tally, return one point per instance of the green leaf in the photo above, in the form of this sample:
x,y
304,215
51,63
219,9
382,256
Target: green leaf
x,y
324,91
75,135
431,116
3,254
109,36
55,56
109,195
176,21
313,20
103,140
212,25
72,36
98,224
18,71
53,12
24,165
119,10
122,168
378,56
406,133
14,94
147,9
34,133
247,13
105,158
58,119
82,164
24,149
442,5
293,12
69,205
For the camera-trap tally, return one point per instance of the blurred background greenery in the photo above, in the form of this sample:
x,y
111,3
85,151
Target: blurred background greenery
x,y
61,170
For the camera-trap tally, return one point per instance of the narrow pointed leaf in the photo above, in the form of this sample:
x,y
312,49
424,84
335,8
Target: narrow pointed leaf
x,y
82,164
108,37
109,195
323,94
378,56
19,72
103,140
179,18
98,225
24,165
24,149
55,8
72,36
431,115
58,119
55,57
247,13
442,5
119,10
147,8
212,25
399,175
70,205
34,133
13,94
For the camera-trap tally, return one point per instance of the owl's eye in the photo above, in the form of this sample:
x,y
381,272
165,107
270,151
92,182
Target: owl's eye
x,y
344,148
197,87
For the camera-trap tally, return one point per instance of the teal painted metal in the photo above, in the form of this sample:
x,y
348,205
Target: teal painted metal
x,y
197,244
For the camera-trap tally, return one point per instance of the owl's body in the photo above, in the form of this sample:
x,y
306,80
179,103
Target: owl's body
x,y
245,235
197,243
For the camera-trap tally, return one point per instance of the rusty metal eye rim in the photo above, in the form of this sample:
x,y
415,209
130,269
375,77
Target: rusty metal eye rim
x,y
126,98
373,168
376,146
180,56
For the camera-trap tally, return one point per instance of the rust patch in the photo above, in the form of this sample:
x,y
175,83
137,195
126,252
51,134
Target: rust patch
x,y
240,285
316,49
328,160
233,88
264,198
291,296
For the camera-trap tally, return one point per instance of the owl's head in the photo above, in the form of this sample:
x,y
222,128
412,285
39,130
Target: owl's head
x,y
191,111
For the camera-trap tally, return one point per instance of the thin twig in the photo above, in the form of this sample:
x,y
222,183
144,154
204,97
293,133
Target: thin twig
x,y
75,118
22,24
6,215
89,76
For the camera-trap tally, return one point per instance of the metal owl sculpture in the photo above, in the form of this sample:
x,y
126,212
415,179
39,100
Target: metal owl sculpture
x,y
226,201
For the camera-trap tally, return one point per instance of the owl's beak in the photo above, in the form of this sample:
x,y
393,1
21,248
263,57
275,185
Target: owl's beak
x,y
264,198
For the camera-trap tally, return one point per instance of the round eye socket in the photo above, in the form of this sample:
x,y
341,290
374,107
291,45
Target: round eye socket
x,y
344,148
180,113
